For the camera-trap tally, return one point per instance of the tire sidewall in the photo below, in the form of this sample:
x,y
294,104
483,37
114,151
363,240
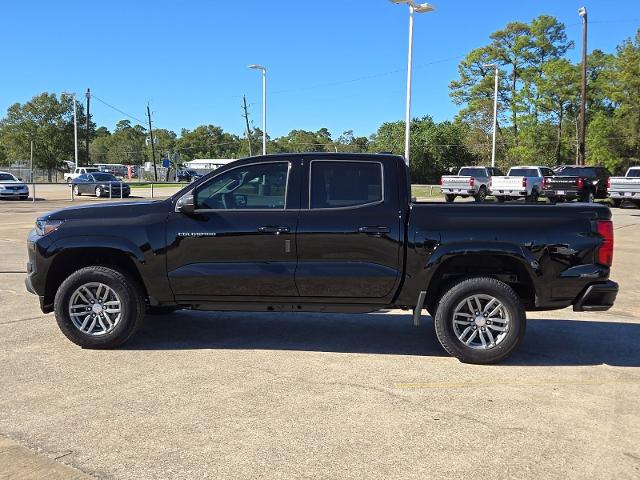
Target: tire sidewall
x,y
98,192
488,286
129,304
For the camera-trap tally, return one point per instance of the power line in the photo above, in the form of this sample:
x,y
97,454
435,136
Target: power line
x,y
93,95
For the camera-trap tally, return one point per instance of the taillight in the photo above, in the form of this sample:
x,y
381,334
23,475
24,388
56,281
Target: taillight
x,y
472,182
524,182
608,183
544,182
605,250
580,183
440,180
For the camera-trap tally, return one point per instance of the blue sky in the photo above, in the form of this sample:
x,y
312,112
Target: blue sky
x,y
338,64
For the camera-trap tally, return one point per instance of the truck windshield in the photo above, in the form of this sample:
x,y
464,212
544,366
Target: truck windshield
x,y
634,173
472,172
523,172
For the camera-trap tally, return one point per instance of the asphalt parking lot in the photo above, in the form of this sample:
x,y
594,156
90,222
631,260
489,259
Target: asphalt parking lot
x,y
277,396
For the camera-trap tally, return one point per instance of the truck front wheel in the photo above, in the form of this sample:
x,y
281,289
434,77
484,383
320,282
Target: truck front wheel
x,y
98,307
480,320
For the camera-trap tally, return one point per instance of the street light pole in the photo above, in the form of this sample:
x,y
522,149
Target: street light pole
x,y
495,111
413,9
75,124
264,105
583,91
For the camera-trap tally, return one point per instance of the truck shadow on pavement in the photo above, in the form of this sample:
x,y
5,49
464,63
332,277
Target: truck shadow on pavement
x,y
546,343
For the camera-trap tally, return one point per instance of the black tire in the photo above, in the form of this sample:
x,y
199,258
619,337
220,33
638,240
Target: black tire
x,y
449,198
533,198
616,202
509,342
587,197
481,195
98,192
131,301
501,199
76,191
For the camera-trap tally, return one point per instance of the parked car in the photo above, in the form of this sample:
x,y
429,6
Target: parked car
x,y
574,182
12,187
101,185
320,232
470,182
520,182
625,188
188,175
75,173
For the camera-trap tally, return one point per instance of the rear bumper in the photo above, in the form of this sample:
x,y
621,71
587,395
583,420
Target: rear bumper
x,y
625,195
597,297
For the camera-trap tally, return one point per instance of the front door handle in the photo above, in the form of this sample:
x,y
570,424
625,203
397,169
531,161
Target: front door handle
x,y
273,230
377,231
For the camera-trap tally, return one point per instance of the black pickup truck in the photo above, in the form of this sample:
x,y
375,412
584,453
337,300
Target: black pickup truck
x,y
574,182
322,233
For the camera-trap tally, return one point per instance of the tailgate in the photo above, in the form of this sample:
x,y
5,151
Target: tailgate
x,y
506,183
561,183
456,182
623,184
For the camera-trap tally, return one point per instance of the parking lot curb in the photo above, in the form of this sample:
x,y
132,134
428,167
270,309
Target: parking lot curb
x,y
20,463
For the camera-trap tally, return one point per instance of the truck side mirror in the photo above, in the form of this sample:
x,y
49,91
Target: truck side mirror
x,y
186,204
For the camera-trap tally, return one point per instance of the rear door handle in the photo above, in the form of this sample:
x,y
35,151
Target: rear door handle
x,y
273,230
378,231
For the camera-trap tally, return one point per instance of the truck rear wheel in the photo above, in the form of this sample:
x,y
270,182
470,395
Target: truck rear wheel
x,y
98,307
481,195
533,198
480,320
449,198
617,203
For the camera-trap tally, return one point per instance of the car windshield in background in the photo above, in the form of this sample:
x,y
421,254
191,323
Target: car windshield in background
x,y
105,177
523,172
634,173
6,177
577,172
472,172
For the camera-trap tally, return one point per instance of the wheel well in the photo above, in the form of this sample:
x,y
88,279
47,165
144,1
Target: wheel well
x,y
501,267
74,259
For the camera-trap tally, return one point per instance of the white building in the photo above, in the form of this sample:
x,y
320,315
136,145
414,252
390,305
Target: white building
x,y
208,163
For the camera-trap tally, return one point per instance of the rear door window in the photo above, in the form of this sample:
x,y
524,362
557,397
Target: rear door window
x,y
340,184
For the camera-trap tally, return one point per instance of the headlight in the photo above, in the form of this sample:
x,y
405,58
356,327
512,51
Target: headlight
x,y
45,227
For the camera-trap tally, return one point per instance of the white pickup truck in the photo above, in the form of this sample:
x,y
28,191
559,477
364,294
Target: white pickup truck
x,y
520,182
625,188
470,182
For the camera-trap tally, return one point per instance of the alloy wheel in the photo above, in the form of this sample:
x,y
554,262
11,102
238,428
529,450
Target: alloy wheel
x,y
95,309
481,321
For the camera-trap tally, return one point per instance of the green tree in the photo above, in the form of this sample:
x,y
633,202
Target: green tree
x,y
207,141
46,121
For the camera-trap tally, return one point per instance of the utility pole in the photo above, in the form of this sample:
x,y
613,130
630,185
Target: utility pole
x,y
246,120
88,94
153,147
583,91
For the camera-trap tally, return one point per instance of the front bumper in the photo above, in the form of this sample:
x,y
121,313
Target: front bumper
x,y
14,193
597,297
